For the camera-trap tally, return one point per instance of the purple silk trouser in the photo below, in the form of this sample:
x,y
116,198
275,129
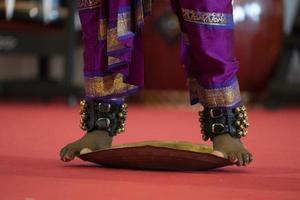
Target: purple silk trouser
x,y
113,55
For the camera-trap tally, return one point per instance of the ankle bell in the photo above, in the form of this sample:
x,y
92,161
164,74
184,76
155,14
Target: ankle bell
x,y
99,115
218,121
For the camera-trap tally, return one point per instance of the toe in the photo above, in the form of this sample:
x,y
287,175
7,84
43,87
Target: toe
x,y
67,158
232,157
240,159
62,153
250,158
246,159
71,154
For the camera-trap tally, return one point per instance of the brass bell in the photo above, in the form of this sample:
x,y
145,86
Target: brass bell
x,y
83,127
83,116
83,104
237,110
247,125
244,108
124,106
240,116
240,133
200,113
242,127
205,137
82,109
121,115
238,123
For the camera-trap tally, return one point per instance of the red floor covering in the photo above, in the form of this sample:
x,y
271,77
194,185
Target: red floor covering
x,y
32,134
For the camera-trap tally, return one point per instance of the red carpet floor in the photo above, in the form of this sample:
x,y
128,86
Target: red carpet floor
x,y
32,134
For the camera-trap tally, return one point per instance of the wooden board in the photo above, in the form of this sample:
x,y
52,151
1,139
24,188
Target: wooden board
x,y
158,155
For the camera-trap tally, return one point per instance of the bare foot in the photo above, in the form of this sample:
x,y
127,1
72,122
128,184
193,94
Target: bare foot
x,y
233,149
95,140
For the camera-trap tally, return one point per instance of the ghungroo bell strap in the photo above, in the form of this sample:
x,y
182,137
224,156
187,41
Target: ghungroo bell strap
x,y
99,115
216,122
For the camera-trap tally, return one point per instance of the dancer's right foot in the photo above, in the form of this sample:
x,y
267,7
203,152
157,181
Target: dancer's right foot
x,y
233,148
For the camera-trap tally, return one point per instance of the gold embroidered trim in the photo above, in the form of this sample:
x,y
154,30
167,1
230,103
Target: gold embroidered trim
x,y
114,60
205,18
221,97
124,23
112,40
112,34
88,4
123,28
106,86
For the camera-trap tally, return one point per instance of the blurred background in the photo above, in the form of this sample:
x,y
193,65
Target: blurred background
x,y
40,51
41,83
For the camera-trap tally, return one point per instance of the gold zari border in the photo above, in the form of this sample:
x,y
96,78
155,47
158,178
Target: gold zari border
x,y
205,18
124,23
123,28
106,86
113,41
88,4
113,60
220,97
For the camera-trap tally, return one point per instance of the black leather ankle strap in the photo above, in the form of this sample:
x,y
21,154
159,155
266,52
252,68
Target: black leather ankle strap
x,y
216,122
98,115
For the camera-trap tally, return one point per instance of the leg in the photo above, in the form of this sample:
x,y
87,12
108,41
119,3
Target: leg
x,y
211,66
90,25
113,69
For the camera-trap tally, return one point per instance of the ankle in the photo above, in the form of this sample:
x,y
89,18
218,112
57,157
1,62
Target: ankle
x,y
103,116
98,138
217,122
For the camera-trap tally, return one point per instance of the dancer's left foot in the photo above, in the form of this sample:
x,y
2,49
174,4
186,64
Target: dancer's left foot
x,y
93,141
233,149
